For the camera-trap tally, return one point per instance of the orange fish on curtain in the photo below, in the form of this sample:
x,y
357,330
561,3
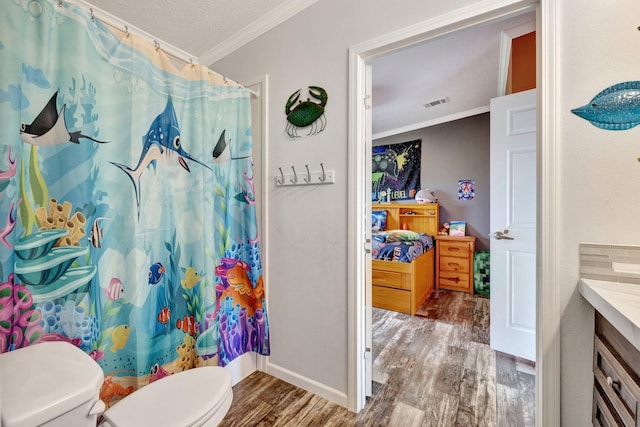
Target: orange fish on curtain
x,y
240,310
239,287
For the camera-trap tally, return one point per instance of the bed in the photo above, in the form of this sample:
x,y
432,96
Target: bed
x,y
404,286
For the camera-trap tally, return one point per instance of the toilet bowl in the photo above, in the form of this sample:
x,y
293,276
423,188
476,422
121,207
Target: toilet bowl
x,y
197,397
52,384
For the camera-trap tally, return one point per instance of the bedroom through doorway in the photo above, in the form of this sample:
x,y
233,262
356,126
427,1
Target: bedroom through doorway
x,y
437,364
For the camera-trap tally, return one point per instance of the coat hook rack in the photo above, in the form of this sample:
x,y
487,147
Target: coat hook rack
x,y
311,178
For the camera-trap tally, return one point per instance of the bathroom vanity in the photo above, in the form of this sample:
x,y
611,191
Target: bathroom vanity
x,y
616,359
610,282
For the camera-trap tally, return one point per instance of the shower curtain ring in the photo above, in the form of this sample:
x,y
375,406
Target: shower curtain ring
x,y
93,18
126,31
281,180
308,178
323,178
295,176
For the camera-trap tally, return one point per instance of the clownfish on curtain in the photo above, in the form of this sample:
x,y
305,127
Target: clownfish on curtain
x,y
127,206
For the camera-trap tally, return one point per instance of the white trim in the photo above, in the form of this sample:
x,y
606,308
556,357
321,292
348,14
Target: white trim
x,y
263,94
506,37
433,122
308,384
255,29
548,320
458,19
355,238
548,392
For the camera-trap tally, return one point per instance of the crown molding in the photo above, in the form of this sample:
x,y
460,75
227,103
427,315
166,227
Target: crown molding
x,y
428,123
254,30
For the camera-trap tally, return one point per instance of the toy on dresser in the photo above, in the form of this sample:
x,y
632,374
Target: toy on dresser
x,y
444,230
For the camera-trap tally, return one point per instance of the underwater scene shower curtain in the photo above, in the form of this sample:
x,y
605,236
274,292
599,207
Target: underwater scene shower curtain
x,y
127,207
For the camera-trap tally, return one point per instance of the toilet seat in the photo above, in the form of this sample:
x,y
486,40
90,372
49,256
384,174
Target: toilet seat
x,y
191,398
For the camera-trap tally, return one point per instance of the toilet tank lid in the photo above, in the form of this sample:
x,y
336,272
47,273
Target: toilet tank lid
x,y
43,381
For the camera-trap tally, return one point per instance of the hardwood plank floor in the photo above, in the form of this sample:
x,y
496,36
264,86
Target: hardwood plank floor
x,y
433,369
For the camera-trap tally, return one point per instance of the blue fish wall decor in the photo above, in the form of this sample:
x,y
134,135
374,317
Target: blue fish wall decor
x,y
615,108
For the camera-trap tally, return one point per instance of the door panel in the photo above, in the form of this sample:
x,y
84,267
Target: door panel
x,y
513,213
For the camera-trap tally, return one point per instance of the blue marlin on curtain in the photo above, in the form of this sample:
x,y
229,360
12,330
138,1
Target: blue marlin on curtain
x,y
162,139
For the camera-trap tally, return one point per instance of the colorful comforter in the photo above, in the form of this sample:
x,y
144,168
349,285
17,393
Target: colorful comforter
x,y
400,245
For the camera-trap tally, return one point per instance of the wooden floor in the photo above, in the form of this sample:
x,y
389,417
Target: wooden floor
x,y
433,369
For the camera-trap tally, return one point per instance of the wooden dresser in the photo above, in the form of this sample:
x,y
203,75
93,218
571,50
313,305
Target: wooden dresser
x,y
616,384
454,262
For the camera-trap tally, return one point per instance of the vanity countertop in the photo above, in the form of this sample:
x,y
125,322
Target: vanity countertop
x,y
618,302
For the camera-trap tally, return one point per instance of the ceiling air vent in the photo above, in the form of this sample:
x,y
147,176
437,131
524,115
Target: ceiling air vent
x,y
436,102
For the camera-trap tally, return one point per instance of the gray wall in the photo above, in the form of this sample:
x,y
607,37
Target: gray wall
x,y
450,152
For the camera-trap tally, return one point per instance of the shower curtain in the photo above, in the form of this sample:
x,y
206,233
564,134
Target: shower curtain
x,y
127,201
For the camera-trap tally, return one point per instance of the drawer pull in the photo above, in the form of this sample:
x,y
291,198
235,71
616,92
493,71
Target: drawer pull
x,y
453,249
453,264
612,383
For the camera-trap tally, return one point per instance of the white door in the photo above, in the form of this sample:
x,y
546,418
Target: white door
x,y
513,224
368,363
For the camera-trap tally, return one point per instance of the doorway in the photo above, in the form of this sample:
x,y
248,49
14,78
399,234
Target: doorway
x,y
546,410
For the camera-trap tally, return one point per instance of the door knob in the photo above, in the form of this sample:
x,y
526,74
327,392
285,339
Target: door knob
x,y
502,235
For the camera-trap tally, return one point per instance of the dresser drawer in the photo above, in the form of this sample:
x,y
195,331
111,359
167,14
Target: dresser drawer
x,y
453,280
448,263
602,414
618,384
456,249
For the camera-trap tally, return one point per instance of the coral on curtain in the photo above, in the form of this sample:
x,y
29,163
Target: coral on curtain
x,y
127,206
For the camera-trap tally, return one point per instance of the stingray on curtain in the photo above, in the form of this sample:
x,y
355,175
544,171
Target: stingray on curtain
x,y
127,206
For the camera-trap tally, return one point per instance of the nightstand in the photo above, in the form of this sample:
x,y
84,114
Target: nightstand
x,y
454,263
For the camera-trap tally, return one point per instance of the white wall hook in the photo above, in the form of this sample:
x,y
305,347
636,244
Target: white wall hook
x,y
308,178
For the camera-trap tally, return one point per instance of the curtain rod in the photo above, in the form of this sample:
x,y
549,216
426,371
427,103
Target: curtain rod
x,y
174,52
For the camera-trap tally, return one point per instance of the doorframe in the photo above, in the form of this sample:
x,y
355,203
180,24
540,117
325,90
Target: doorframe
x,y
548,320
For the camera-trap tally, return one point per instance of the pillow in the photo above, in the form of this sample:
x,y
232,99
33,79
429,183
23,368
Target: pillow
x,y
402,236
378,220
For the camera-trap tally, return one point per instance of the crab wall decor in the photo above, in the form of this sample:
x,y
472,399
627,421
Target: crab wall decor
x,y
307,113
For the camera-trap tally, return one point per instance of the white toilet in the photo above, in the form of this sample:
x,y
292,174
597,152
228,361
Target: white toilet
x,y
197,397
55,384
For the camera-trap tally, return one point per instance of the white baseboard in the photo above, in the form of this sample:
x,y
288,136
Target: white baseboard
x,y
308,384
